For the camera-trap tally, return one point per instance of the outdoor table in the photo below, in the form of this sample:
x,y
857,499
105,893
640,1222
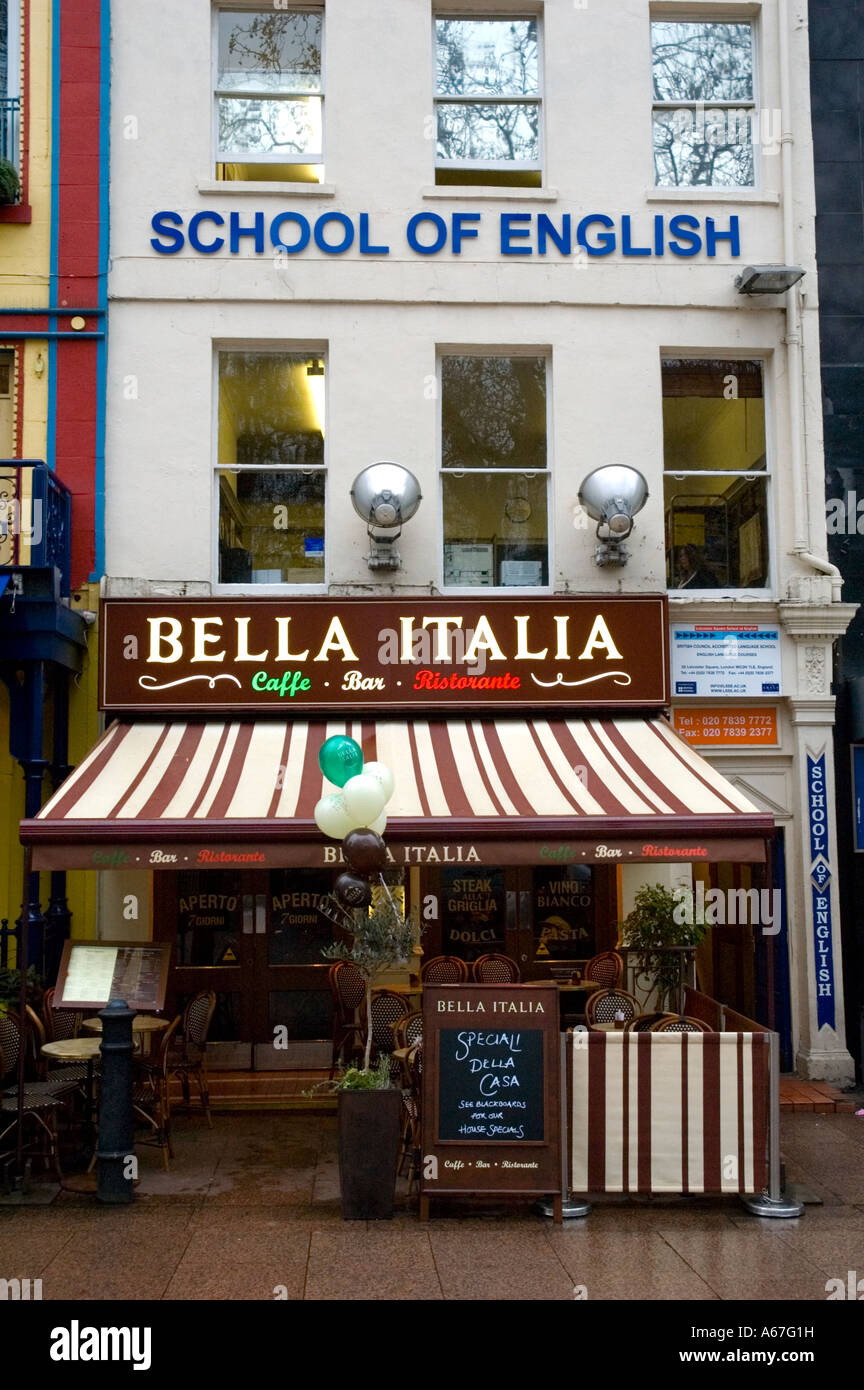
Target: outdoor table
x,y
78,1050
143,1024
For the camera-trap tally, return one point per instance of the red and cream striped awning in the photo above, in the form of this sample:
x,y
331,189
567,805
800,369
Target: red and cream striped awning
x,y
182,793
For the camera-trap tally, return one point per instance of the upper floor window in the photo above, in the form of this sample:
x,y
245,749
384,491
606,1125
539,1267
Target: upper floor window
x,y
488,101
495,470
715,483
704,104
270,467
10,100
269,95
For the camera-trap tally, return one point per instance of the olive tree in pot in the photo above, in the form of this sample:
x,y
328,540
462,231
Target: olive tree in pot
x,y
369,1106
659,923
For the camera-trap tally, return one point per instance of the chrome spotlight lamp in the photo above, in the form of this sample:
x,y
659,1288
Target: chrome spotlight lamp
x,y
768,279
385,495
612,496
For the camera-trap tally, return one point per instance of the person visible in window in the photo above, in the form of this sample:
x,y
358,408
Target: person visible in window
x,y
692,572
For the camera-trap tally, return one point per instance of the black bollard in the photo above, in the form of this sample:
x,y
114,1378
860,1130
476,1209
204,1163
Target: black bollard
x,y
116,1144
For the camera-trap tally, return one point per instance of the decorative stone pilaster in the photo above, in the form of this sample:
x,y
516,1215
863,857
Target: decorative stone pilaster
x,y
815,958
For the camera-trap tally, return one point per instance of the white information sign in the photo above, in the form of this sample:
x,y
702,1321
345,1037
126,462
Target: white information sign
x,y
725,659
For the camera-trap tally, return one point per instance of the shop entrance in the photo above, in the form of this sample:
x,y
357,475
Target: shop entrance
x,y
255,938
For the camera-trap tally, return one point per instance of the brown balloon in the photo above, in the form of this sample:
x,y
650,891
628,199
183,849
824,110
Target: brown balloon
x,y
352,890
365,851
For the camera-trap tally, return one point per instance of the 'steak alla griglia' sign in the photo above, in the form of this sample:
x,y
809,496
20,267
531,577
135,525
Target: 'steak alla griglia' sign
x,y
410,654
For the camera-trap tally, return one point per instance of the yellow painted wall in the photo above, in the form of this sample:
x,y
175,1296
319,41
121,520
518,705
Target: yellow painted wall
x,y
25,247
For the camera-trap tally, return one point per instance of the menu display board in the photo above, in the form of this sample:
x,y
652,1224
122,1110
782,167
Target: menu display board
x,y
92,973
491,1085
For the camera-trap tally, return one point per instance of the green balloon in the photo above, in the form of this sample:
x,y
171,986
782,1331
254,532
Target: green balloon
x,y
340,758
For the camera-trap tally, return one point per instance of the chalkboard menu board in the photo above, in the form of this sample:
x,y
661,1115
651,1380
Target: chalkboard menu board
x,y
491,1086
92,973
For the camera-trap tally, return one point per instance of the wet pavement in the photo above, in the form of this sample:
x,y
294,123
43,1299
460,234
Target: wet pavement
x,y
250,1211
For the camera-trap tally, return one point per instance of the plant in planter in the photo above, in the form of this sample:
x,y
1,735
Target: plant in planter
x,y
10,988
10,184
657,924
369,1106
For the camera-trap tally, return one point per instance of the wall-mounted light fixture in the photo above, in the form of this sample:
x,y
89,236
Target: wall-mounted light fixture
x,y
612,496
768,279
385,495
39,365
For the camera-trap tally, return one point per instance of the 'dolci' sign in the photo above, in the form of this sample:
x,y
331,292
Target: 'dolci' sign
x,y
412,654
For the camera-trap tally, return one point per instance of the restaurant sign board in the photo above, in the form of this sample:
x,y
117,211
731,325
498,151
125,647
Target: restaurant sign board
x,y
491,1091
414,654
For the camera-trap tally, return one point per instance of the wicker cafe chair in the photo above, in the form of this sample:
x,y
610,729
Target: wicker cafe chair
x,y
348,989
387,1009
411,1112
190,1058
407,1030
150,1094
645,1022
59,1024
41,1101
444,970
605,969
678,1023
493,969
604,1004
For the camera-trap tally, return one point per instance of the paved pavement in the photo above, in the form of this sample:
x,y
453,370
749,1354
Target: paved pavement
x,y
250,1211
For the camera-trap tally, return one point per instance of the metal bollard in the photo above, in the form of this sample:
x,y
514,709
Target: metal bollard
x,y
116,1134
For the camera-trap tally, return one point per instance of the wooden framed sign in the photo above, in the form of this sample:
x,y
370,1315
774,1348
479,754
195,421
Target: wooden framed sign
x,y
491,1092
92,973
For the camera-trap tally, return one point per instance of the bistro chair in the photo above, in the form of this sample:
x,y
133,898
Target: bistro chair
x,y
190,1058
407,1030
645,1022
604,1004
59,1024
348,988
150,1094
41,1102
387,1009
444,970
411,1096
680,1023
493,969
605,969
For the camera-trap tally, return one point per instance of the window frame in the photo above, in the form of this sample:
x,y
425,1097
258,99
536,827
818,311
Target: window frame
x,y
495,165
273,349
766,359
693,16
496,590
256,157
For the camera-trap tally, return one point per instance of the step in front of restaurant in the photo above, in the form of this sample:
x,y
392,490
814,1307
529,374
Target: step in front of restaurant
x,y
281,1090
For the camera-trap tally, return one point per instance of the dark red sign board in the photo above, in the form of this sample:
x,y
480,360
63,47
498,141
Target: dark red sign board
x,y
491,1091
406,656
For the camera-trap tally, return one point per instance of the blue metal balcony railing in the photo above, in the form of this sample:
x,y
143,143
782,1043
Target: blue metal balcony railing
x,y
10,115
35,518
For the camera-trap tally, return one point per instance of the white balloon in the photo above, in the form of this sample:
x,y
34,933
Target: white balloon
x,y
364,800
379,825
331,816
382,775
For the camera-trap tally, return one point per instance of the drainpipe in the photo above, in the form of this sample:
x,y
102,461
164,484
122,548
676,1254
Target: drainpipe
x,y
794,334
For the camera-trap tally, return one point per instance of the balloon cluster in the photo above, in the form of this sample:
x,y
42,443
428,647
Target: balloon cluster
x,y
356,815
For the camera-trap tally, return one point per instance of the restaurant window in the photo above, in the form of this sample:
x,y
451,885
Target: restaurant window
x,y
473,911
270,471
704,104
564,913
488,102
715,484
495,470
269,95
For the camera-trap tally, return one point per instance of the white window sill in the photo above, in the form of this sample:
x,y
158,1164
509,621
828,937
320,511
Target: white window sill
x,y
488,192
701,194
717,596
257,187
297,591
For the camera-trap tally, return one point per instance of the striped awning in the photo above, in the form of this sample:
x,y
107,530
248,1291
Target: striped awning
x,y
208,785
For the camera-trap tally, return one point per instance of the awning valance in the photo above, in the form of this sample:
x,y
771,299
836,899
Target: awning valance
x,y
185,794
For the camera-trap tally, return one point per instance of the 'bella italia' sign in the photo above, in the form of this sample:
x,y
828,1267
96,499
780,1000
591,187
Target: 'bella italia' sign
x,y
596,234
408,655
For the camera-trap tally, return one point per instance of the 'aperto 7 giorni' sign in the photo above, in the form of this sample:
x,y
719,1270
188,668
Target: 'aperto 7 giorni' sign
x,y
517,234
415,655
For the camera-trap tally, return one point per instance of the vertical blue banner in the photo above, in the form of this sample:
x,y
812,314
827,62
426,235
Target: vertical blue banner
x,y
820,879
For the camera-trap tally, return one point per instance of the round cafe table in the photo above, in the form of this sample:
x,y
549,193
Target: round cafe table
x,y
78,1050
142,1024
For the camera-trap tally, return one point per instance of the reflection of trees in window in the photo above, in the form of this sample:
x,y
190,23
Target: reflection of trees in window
x,y
268,66
697,66
483,68
494,412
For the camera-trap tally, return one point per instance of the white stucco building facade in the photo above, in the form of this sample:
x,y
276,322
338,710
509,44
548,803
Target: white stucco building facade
x,y
387,120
